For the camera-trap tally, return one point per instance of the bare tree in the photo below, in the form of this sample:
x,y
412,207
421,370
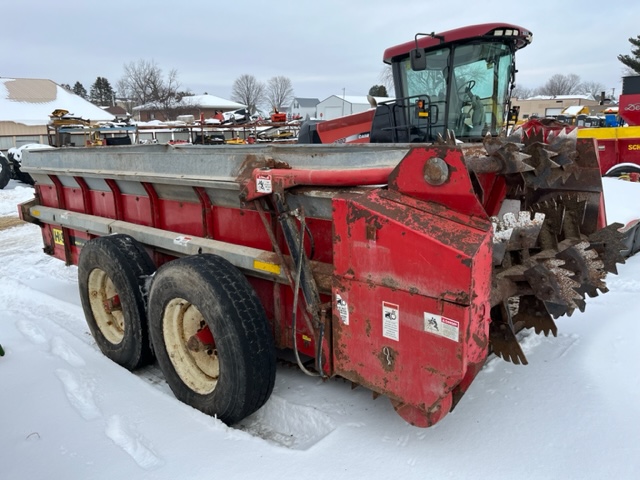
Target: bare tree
x,y
386,78
522,92
143,83
248,91
279,92
560,84
594,89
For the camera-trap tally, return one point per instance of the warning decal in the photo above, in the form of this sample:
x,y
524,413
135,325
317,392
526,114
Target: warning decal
x,y
343,309
441,326
57,236
263,183
390,321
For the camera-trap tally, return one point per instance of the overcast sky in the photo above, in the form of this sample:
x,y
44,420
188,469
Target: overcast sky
x,y
322,46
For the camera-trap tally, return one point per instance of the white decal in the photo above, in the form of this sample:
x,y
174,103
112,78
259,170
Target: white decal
x,y
343,309
441,326
182,240
391,321
263,183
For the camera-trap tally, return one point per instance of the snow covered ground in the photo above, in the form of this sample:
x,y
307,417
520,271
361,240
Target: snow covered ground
x,y
66,411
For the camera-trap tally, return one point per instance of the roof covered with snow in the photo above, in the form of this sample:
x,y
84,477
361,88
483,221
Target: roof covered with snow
x,y
359,99
200,101
30,101
561,97
573,110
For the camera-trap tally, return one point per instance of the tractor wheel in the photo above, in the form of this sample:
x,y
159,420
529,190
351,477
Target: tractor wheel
x,y
112,277
24,177
624,172
211,337
5,171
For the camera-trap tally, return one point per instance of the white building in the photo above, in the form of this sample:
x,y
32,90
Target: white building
x,y
303,107
27,103
340,105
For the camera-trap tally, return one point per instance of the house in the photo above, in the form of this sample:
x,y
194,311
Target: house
x,y
27,103
192,105
338,106
117,111
303,107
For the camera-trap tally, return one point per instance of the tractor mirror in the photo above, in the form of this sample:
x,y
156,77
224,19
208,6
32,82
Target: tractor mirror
x,y
418,60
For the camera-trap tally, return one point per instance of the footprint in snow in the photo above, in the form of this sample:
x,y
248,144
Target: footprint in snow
x,y
79,394
31,331
61,349
132,443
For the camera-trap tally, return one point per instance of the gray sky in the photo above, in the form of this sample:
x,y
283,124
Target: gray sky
x,y
322,46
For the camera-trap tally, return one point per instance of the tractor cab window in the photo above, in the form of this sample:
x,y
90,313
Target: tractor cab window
x,y
466,87
479,89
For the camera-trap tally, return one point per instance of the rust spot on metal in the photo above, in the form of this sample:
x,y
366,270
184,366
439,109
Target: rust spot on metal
x,y
391,283
481,342
387,357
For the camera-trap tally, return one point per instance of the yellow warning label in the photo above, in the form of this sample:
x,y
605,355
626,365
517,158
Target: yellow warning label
x,y
57,236
266,267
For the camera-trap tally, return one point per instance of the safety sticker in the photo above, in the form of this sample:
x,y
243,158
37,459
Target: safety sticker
x,y
441,326
391,321
343,309
263,183
58,238
182,240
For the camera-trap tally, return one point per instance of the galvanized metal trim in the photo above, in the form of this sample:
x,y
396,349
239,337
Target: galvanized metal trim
x,y
175,243
197,165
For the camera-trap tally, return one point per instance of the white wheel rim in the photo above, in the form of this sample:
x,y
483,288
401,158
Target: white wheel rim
x,y
105,306
199,370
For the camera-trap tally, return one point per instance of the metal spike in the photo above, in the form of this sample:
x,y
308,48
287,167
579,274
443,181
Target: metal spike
x,y
532,312
607,242
502,335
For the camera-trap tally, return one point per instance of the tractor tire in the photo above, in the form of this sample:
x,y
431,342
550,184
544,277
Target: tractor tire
x,y
5,171
18,174
232,374
622,172
23,177
113,272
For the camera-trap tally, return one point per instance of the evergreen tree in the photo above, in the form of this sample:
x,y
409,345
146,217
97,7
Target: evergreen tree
x,y
378,91
632,62
79,90
101,92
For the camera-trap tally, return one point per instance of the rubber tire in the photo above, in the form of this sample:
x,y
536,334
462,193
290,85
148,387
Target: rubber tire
x,y
127,264
5,171
617,172
238,323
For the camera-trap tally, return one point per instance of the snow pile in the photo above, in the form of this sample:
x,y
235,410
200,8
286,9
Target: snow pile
x,y
68,412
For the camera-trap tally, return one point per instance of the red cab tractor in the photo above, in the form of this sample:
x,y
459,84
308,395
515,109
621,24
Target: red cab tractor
x,y
458,81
